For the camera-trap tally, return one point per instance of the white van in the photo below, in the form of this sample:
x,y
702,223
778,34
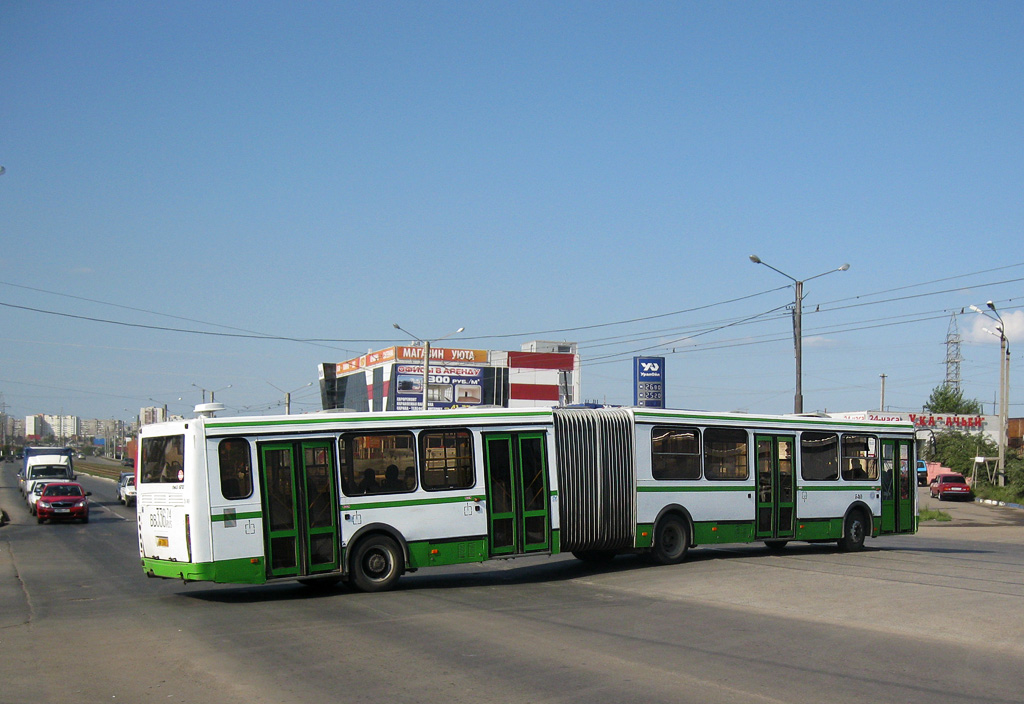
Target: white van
x,y
46,468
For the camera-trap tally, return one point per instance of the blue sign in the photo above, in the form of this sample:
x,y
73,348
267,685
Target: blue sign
x,y
649,382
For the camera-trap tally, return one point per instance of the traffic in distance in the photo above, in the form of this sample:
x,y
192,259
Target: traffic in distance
x,y
366,497
46,480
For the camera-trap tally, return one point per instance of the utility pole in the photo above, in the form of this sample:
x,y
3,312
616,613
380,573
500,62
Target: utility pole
x,y
798,308
881,405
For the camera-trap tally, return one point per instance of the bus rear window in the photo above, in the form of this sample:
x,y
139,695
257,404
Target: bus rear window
x,y
163,460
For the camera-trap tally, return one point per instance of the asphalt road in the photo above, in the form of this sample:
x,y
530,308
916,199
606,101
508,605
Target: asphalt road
x,y
934,617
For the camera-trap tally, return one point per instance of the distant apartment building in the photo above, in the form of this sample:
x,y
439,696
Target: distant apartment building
x,y
152,414
37,427
62,427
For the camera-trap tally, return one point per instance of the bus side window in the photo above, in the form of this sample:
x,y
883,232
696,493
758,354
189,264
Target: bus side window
x,y
819,456
675,452
860,459
446,460
235,468
725,453
370,464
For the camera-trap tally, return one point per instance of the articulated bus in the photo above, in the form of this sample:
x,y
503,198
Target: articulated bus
x,y
365,497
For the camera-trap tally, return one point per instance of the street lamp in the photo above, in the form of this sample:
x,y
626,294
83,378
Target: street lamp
x,y
288,396
426,355
798,398
1004,382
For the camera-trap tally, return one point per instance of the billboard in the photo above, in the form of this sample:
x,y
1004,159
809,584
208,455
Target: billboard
x,y
447,387
649,382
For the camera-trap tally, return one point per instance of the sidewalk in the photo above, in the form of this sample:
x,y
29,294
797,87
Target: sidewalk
x,y
14,607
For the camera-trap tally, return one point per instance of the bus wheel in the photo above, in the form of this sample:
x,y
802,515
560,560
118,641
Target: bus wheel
x,y
776,545
855,529
671,540
376,564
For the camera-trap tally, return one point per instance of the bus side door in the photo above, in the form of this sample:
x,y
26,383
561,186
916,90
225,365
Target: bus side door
x,y
776,493
300,502
518,506
898,487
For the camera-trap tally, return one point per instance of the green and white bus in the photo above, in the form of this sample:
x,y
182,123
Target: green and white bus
x,y
365,497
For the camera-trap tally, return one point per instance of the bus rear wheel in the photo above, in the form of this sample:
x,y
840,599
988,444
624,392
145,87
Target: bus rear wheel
x,y
376,564
671,540
855,529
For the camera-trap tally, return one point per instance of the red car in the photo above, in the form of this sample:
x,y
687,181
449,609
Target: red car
x,y
950,486
63,501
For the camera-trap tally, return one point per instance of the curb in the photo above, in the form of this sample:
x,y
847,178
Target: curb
x,y
991,502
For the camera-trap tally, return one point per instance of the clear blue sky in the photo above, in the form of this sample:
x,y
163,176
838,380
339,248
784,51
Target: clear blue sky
x,y
527,170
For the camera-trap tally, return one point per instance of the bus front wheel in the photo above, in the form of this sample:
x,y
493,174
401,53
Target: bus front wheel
x,y
376,564
671,540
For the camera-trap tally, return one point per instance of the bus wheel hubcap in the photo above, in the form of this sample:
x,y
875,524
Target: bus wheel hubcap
x,y
377,563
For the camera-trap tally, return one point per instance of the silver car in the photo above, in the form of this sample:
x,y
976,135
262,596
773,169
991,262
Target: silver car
x,y
126,489
33,496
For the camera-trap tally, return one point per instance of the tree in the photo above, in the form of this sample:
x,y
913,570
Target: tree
x,y
949,399
957,450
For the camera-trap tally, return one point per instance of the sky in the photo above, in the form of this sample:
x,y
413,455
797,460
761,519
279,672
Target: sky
x,y
220,196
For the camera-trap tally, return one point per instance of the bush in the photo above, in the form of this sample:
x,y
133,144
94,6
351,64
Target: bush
x,y
1013,492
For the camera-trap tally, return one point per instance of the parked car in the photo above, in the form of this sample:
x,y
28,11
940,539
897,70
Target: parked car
x,y
33,496
950,486
126,489
63,501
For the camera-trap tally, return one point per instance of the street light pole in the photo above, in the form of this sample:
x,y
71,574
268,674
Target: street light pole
x,y
1004,385
426,356
798,396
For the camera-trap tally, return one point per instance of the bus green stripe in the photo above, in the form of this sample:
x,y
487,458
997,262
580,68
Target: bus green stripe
x,y
412,502
745,487
841,487
376,504
329,419
750,487
215,517
753,420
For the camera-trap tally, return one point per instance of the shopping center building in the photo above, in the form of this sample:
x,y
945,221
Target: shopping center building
x,y
392,379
